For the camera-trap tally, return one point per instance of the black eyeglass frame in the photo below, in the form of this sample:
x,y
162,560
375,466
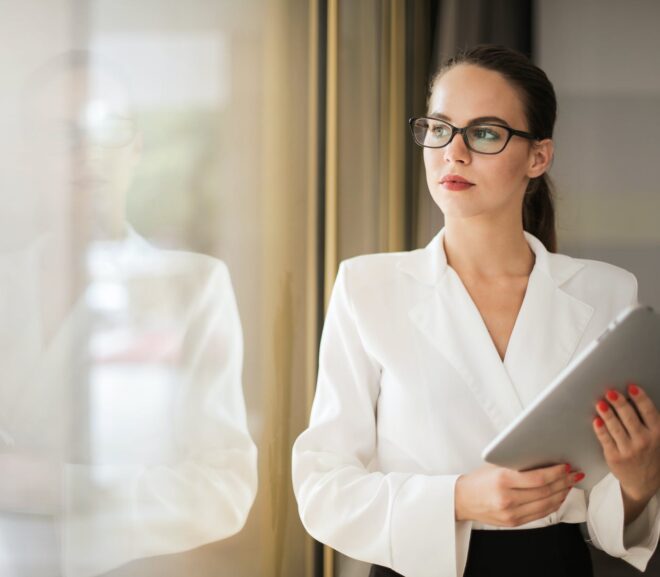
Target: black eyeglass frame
x,y
463,132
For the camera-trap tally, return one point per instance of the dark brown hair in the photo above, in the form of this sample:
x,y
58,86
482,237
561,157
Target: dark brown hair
x,y
540,105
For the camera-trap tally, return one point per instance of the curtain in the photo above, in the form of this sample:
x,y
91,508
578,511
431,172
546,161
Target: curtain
x,y
457,25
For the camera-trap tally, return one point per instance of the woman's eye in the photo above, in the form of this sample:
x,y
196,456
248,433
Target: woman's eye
x,y
485,133
439,130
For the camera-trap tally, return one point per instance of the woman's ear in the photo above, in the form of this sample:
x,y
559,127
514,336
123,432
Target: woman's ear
x,y
540,157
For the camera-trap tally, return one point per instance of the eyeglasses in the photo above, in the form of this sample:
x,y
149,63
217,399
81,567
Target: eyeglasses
x,y
115,132
110,133
483,138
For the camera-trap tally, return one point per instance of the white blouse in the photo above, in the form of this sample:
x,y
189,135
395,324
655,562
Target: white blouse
x,y
410,390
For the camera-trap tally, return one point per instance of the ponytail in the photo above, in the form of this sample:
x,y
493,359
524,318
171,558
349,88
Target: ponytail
x,y
539,213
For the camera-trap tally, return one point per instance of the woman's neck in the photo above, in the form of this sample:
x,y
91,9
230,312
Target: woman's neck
x,y
487,250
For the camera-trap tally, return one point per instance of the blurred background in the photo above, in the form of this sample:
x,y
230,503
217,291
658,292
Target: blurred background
x,y
179,182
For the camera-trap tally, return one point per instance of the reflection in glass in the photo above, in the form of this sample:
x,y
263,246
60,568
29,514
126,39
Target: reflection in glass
x,y
123,425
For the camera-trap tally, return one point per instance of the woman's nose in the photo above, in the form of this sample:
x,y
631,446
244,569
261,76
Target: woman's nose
x,y
457,151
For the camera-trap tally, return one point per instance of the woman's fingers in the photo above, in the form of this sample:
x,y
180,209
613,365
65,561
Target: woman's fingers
x,y
565,482
629,432
603,436
645,406
614,426
487,494
626,413
535,478
535,509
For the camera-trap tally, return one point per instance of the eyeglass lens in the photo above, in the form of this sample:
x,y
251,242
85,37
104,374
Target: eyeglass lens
x,y
484,138
110,133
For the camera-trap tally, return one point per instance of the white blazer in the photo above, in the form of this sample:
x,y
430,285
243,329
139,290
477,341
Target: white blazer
x,y
410,390
167,461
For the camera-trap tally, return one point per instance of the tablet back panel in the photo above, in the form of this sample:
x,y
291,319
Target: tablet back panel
x,y
557,426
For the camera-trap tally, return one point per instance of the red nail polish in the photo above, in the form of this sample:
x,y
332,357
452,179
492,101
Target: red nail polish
x,y
579,477
602,406
599,422
612,395
633,389
568,468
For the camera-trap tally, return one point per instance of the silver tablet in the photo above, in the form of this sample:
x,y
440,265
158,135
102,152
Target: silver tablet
x,y
557,426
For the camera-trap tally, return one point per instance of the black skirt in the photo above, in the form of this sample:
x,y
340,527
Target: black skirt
x,y
554,551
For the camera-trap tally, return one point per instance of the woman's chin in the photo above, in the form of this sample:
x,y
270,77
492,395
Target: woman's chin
x,y
457,207
451,210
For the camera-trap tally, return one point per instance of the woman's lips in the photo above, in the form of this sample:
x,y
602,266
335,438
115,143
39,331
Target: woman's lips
x,y
455,182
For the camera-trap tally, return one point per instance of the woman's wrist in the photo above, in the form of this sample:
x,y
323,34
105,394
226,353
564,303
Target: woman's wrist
x,y
633,505
459,501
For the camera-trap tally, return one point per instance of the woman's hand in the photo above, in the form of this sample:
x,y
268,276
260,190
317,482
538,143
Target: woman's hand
x,y
629,432
507,498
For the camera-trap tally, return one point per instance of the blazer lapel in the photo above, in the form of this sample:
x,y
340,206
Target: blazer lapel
x,y
550,324
546,333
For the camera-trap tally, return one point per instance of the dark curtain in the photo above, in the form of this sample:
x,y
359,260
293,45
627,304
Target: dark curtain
x,y
455,25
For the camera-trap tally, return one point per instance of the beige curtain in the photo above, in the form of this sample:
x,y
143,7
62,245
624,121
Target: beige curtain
x,y
377,70
288,331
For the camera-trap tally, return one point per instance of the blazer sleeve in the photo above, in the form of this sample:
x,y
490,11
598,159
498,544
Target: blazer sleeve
x,y
115,513
636,542
403,521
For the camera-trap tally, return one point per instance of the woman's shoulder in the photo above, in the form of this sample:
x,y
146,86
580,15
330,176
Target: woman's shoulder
x,y
375,267
375,261
598,268
599,276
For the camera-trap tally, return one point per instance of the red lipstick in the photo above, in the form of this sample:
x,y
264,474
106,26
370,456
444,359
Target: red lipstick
x,y
455,182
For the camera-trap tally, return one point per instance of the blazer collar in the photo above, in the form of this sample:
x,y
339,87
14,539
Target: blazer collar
x,y
429,264
546,334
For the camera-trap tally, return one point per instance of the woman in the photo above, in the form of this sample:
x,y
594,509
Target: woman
x,y
427,355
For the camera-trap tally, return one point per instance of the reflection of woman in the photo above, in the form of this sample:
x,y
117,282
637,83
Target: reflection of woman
x,y
125,435
123,429
427,355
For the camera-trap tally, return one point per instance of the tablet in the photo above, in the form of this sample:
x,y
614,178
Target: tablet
x,y
557,426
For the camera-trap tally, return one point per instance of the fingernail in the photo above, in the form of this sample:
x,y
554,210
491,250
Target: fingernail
x,y
612,395
579,477
602,406
633,389
599,422
568,468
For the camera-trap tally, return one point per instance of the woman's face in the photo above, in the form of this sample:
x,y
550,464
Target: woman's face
x,y
461,95
84,132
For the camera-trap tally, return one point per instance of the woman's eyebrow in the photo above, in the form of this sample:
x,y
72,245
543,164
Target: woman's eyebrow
x,y
477,120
